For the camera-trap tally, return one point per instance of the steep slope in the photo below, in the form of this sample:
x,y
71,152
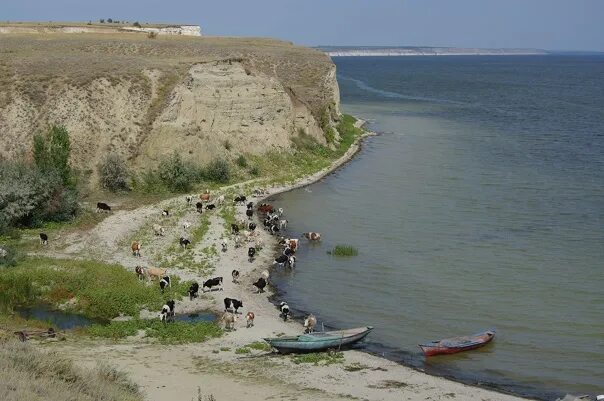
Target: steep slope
x,y
145,98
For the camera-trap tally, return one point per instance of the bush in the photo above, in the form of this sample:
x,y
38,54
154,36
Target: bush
x,y
227,145
241,161
8,256
255,171
114,173
136,24
177,175
218,171
52,151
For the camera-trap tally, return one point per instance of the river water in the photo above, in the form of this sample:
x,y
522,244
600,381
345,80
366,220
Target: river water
x,y
480,205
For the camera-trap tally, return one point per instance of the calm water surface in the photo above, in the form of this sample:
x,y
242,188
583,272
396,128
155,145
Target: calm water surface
x,y
480,205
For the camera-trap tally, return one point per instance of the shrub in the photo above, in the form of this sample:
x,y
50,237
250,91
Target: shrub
x,y
330,135
8,256
242,350
255,171
344,250
114,173
176,175
136,24
227,145
218,171
152,35
102,20
109,20
52,151
241,161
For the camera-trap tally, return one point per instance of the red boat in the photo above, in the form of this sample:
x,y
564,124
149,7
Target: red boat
x,y
457,344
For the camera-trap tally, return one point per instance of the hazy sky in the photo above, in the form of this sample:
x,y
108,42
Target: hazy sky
x,y
548,24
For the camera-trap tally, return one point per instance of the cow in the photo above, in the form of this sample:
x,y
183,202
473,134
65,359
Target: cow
x,y
199,207
164,283
265,274
186,225
167,312
210,206
193,290
238,241
232,304
259,243
291,261
283,224
224,244
189,199
312,236
250,206
141,272
240,200
251,226
292,243
309,323
165,213
274,229
280,211
229,320
213,282
235,274
251,252
249,318
265,208
102,207
43,239
220,200
249,213
285,312
156,272
260,284
234,229
136,248
288,251
283,260
158,230
205,196
184,242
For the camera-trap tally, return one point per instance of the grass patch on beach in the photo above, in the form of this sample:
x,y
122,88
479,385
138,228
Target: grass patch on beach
x,y
228,215
31,374
319,358
344,250
355,367
94,289
259,346
389,384
242,350
166,333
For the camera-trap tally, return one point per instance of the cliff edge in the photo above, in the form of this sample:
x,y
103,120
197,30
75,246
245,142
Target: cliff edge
x,y
145,98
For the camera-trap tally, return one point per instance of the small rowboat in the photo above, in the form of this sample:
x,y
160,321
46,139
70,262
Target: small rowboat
x,y
319,341
457,344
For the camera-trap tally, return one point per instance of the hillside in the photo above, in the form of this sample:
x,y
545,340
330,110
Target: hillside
x,y
144,98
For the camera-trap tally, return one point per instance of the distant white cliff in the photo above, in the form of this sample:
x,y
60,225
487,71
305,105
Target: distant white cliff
x,y
334,51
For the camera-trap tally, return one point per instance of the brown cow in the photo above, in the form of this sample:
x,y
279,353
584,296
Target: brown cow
x,y
311,236
136,248
156,272
205,196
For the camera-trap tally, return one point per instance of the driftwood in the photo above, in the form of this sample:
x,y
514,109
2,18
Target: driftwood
x,y
25,335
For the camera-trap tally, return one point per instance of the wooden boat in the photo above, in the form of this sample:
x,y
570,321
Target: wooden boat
x,y
457,344
319,341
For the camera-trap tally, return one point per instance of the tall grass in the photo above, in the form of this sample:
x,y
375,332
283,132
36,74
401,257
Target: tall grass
x,y
344,250
29,374
95,289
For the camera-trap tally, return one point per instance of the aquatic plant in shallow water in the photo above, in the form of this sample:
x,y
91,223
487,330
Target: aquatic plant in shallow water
x,y
344,250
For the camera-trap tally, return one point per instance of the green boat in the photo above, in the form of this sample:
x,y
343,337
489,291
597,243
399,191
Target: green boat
x,y
318,341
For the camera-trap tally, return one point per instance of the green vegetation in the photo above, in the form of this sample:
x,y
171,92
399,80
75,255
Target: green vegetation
x,y
241,161
242,350
319,358
95,289
228,215
174,333
218,171
30,374
259,346
114,173
178,176
344,250
355,367
225,349
31,195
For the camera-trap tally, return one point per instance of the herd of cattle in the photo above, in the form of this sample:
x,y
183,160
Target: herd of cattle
x,y
242,231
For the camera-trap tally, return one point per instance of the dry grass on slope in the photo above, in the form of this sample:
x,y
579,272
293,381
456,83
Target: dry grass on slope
x,y
29,374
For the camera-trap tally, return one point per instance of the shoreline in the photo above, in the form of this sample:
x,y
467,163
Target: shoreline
x,y
223,366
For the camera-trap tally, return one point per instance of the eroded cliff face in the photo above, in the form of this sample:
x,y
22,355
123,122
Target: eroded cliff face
x,y
204,98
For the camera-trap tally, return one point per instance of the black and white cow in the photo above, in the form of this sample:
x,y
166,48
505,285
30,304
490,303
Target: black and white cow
x,y
250,205
240,199
235,274
234,229
102,207
189,199
260,284
199,207
184,242
43,239
213,282
164,282
288,252
211,206
232,304
285,312
251,226
167,312
251,252
274,229
193,290
283,260
165,213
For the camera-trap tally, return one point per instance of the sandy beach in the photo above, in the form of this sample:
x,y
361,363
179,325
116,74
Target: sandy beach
x,y
213,367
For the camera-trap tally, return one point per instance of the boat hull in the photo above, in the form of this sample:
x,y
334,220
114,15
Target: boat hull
x,y
457,344
319,341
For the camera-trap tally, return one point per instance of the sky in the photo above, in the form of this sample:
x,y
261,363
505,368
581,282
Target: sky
x,y
545,24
